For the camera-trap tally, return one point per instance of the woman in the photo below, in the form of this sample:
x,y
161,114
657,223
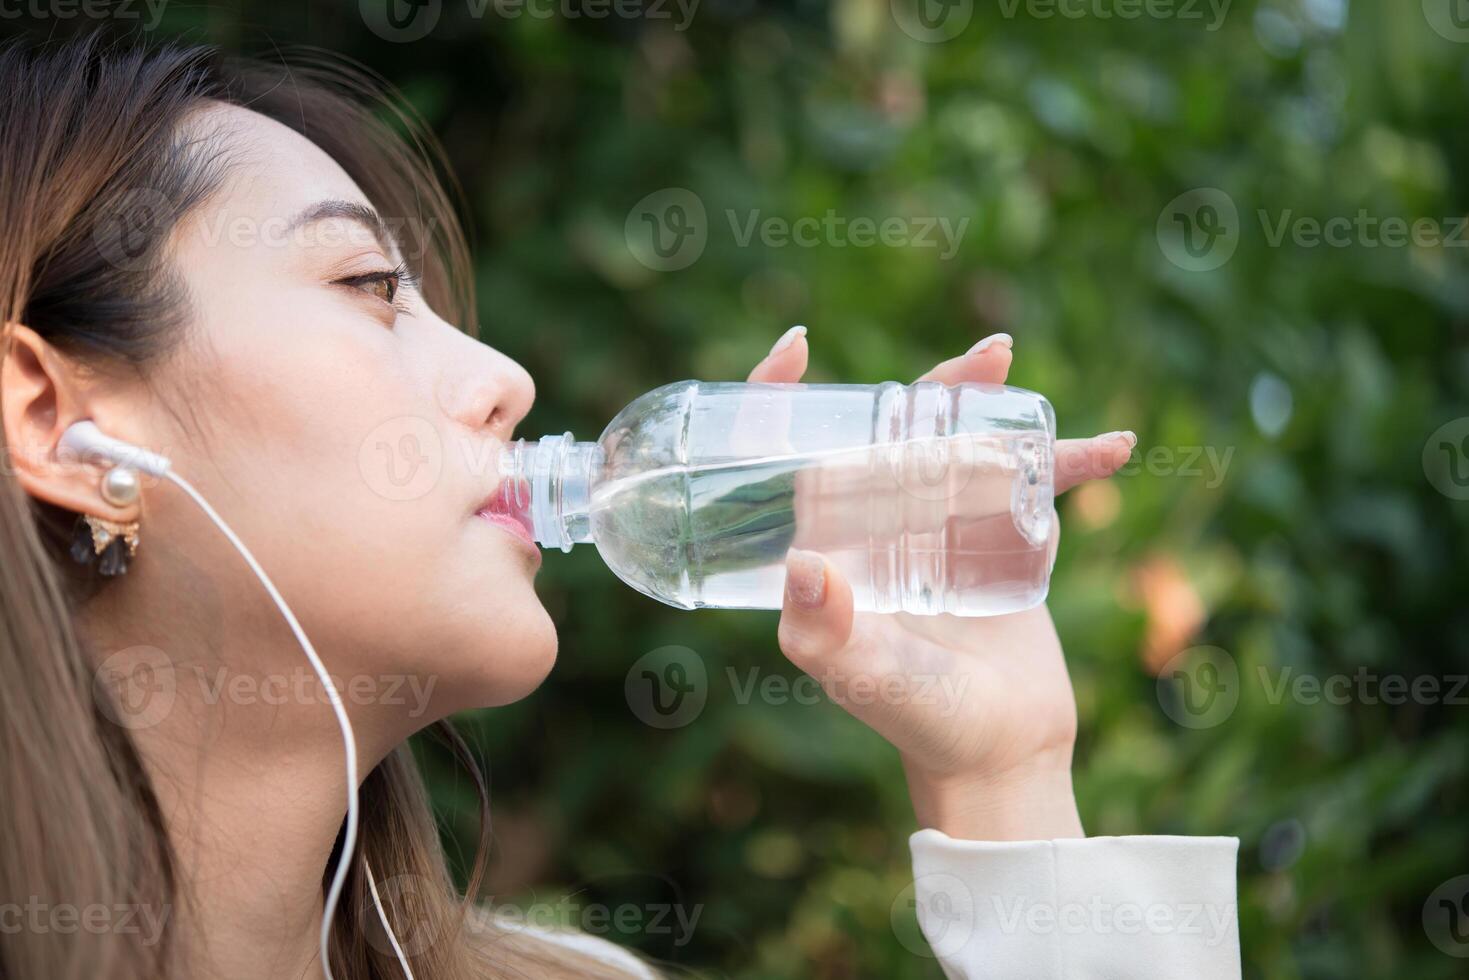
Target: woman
x,y
242,266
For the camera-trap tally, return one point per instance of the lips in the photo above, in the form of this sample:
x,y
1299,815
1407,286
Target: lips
x,y
504,510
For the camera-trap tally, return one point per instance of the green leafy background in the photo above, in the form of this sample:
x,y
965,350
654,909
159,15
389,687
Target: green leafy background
x,y
1321,371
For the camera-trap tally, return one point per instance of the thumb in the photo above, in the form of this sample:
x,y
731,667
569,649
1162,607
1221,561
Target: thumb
x,y
816,616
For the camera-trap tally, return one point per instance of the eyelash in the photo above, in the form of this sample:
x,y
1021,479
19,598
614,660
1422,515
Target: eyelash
x,y
397,279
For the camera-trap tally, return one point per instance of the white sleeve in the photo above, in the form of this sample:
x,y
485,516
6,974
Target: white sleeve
x,y
1096,908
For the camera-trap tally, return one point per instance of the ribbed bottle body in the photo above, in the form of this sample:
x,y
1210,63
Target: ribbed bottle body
x,y
930,499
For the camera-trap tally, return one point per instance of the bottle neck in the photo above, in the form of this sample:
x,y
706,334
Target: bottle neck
x,y
549,483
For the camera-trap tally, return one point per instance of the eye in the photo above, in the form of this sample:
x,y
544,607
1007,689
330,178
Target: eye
x,y
385,284
385,289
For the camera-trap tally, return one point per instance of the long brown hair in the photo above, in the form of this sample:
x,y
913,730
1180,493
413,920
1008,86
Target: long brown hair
x,y
91,158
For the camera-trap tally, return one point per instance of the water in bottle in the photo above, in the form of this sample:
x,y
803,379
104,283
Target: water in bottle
x,y
929,498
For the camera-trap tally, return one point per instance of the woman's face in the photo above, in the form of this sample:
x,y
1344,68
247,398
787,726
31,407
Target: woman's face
x,y
349,435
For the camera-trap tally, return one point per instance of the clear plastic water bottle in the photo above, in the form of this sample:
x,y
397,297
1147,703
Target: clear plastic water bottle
x,y
929,498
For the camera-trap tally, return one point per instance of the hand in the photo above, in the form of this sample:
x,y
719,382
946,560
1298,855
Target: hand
x,y
981,709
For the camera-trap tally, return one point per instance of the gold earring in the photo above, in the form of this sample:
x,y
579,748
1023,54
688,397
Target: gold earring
x,y
113,543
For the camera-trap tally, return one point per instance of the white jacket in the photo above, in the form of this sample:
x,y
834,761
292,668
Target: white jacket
x,y
1096,908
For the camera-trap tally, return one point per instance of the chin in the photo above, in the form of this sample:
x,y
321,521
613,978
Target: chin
x,y
510,655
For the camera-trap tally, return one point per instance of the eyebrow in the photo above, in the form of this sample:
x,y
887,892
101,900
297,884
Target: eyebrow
x,y
351,211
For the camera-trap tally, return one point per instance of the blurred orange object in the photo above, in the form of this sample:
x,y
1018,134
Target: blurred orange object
x,y
1175,610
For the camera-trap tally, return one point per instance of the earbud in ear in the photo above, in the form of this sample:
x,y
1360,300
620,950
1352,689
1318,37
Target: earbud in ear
x,y
85,442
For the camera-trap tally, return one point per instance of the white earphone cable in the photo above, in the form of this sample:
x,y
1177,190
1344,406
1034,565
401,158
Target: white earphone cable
x,y
349,742
383,918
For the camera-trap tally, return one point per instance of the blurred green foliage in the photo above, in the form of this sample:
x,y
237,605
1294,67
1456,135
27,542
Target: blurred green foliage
x,y
1313,373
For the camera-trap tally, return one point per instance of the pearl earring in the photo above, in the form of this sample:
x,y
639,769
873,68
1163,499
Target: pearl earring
x,y
121,487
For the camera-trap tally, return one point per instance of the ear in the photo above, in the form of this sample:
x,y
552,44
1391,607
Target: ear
x,y
41,394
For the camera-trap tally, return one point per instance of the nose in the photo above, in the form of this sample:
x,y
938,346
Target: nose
x,y
489,392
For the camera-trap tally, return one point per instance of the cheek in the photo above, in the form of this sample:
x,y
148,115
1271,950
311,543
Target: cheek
x,y
358,496
298,370
329,406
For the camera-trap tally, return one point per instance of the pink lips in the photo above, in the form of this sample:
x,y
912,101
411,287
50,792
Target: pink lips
x,y
503,511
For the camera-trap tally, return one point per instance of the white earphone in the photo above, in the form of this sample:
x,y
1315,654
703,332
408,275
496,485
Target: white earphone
x,y
85,442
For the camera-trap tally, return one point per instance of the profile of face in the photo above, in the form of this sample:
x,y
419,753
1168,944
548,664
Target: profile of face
x,y
349,435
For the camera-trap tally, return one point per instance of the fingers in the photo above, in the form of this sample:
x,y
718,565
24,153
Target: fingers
x,y
1077,460
987,361
786,361
1080,460
816,617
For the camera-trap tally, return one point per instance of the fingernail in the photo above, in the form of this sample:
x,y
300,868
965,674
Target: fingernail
x,y
1003,339
806,579
788,338
1126,434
